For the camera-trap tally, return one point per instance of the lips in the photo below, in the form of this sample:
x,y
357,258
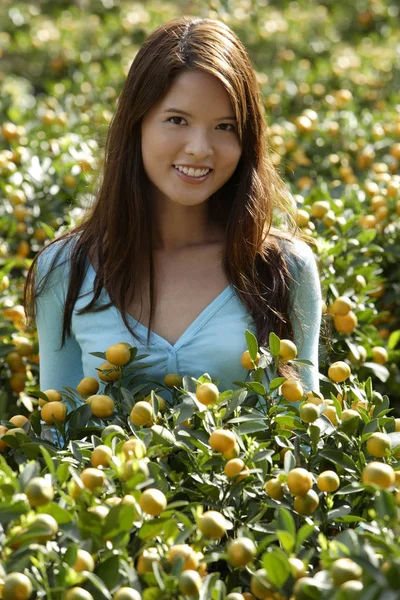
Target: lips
x,y
189,179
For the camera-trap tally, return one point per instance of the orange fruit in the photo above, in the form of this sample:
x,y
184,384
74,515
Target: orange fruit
x,y
212,525
292,390
52,395
3,430
88,386
92,478
299,481
298,568
341,306
190,583
142,413
173,380
260,586
339,371
302,217
222,440
331,413
207,394
146,559
345,323
274,488
127,593
118,355
241,551
378,444
24,346
234,453
112,429
47,525
287,350
235,466
78,593
39,491
53,410
379,474
350,420
308,412
161,402
319,209
101,456
247,361
102,406
84,561
14,432
345,569
328,481
306,504
17,586
113,375
19,420
134,448
185,552
15,362
379,355
153,502
17,382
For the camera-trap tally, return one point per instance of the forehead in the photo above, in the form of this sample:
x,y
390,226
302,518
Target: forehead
x,y
196,88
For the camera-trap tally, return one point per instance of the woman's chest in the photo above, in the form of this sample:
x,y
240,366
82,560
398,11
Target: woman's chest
x,y
185,285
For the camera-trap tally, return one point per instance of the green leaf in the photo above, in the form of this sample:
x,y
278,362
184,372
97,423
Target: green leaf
x,y
286,540
12,510
119,519
60,514
256,387
277,567
380,371
79,417
274,344
252,344
218,590
48,460
338,458
275,383
394,339
385,506
286,521
315,433
162,436
289,461
303,534
98,584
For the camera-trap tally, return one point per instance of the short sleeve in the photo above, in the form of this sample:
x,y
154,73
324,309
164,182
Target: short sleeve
x,y
306,299
58,367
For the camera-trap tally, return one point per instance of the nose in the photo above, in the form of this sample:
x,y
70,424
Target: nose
x,y
199,144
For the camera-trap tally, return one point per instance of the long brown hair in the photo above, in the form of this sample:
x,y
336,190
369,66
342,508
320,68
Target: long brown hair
x,y
117,227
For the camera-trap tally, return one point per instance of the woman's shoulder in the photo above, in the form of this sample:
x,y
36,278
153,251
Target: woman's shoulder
x,y
298,254
53,260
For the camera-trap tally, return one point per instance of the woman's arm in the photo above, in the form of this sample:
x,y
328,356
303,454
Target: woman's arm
x,y
307,301
58,367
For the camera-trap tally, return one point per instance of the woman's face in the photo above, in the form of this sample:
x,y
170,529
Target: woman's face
x,y
192,127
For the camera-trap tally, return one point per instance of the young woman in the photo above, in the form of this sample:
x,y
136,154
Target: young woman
x,y
178,255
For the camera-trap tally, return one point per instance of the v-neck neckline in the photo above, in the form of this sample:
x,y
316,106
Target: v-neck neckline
x,y
189,332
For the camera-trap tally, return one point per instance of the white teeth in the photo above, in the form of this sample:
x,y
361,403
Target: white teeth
x,y
192,172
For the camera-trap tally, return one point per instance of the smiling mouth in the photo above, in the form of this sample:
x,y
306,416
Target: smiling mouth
x,y
192,172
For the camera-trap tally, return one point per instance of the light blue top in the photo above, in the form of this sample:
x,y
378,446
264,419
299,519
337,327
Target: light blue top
x,y
212,344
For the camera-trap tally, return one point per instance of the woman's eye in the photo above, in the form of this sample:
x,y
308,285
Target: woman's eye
x,y
178,118
228,125
174,120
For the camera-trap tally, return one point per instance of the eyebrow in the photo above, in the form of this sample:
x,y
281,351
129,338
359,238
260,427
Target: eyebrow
x,y
183,112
